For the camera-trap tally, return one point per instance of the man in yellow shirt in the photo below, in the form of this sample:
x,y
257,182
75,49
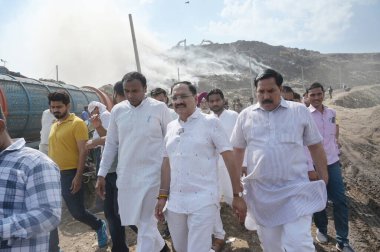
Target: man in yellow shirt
x,y
67,139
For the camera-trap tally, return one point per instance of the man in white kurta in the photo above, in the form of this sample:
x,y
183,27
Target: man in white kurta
x,y
136,132
227,118
47,121
280,197
192,147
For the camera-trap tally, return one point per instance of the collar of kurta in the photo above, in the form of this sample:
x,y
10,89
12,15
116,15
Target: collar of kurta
x,y
140,105
193,116
312,109
17,144
283,104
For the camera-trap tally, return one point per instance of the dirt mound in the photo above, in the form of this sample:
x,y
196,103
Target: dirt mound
x,y
360,97
358,113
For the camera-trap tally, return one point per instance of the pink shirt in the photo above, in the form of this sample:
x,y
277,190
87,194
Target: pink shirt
x,y
326,124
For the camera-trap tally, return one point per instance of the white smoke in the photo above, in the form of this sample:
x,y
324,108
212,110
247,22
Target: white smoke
x,y
91,43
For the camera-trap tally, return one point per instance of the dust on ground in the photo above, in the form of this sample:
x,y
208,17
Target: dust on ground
x,y
358,114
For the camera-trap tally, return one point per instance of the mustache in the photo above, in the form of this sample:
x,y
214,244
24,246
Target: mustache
x,y
267,101
180,105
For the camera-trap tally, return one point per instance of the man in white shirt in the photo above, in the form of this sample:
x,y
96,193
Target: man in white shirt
x,y
47,120
215,99
280,197
189,168
136,132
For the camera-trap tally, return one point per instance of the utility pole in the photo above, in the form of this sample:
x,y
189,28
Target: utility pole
x,y
178,73
250,76
135,44
303,82
340,78
56,71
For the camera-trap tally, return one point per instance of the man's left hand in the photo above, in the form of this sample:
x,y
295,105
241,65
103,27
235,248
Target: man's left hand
x,y
239,208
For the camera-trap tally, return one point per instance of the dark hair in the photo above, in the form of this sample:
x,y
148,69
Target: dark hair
x,y
157,91
192,88
134,76
60,95
287,89
315,85
269,73
215,91
296,96
118,88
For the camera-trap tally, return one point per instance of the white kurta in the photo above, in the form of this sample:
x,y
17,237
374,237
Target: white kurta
x,y
136,134
193,148
228,119
47,120
278,188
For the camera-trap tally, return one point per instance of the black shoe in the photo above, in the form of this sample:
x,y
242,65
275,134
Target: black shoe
x,y
165,248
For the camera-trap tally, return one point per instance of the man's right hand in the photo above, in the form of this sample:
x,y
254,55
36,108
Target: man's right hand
x,y
101,187
161,202
96,121
244,171
90,145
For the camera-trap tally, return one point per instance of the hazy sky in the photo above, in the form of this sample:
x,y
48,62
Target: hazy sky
x,y
90,39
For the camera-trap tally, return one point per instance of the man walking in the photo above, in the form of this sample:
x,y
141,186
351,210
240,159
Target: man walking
x,y
325,119
280,197
136,132
29,194
192,147
215,99
67,139
110,194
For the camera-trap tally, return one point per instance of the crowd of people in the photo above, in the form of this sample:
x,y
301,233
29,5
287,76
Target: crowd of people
x,y
276,163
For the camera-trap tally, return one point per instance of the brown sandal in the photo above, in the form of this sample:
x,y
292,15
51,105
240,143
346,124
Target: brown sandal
x,y
218,244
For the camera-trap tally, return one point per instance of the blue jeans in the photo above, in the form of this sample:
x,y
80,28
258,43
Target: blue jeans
x,y
335,193
75,205
111,212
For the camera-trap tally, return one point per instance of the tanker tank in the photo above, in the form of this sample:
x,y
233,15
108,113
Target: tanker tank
x,y
23,100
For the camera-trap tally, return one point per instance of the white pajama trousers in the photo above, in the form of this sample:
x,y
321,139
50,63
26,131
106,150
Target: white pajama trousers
x,y
148,236
192,232
289,237
219,232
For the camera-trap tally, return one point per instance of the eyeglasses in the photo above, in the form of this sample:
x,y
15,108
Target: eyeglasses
x,y
182,97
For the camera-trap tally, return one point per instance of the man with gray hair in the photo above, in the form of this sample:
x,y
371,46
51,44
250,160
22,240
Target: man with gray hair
x,y
30,195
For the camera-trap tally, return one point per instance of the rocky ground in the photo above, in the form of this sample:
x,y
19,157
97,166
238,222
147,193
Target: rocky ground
x,y
359,119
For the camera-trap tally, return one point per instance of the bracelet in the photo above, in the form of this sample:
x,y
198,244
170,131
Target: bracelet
x,y
163,196
161,189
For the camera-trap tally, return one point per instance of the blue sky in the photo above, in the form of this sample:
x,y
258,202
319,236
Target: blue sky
x,y
84,36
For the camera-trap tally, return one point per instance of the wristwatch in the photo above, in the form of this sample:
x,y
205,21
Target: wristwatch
x,y
239,195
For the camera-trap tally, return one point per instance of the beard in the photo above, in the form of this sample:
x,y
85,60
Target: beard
x,y
217,109
60,115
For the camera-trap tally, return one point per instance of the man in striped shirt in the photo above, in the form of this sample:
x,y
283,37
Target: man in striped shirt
x,y
30,195
280,198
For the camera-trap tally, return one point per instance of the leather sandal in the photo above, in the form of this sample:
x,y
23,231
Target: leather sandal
x,y
218,245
